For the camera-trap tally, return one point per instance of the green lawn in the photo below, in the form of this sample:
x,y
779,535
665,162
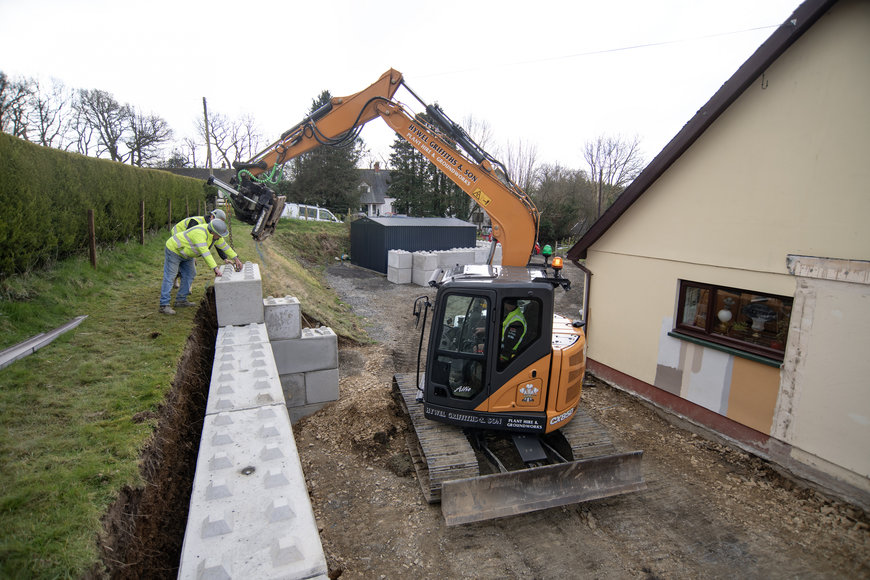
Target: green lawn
x,y
68,438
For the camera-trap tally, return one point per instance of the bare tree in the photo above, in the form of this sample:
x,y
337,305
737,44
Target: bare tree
x,y
49,114
479,130
521,159
109,120
14,98
82,132
225,135
613,163
187,149
146,134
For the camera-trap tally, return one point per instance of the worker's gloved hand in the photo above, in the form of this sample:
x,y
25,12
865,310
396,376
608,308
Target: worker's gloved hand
x,y
237,264
217,271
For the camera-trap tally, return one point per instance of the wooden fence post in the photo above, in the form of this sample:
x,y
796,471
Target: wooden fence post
x,y
142,223
92,234
169,221
187,207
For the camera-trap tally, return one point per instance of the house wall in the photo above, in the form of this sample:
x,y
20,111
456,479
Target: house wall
x,y
783,172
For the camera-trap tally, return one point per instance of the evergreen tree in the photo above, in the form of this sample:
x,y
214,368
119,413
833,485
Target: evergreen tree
x,y
327,175
420,188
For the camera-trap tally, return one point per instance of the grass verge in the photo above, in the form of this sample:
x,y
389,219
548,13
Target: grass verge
x,y
78,412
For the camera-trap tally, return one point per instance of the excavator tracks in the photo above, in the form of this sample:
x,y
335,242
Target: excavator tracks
x,y
440,452
443,455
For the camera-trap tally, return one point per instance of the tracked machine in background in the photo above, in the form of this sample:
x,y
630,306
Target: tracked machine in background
x,y
497,426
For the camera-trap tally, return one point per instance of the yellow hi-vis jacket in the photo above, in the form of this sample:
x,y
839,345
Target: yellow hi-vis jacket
x,y
199,220
192,243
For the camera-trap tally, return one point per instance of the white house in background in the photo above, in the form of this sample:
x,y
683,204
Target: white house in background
x,y
731,280
374,184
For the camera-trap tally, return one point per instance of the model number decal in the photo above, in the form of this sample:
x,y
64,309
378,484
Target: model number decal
x,y
562,417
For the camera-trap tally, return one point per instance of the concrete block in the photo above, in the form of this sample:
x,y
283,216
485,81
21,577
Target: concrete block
x,y
316,349
243,377
250,334
297,413
421,277
239,295
399,275
321,386
425,261
250,516
400,259
283,317
293,386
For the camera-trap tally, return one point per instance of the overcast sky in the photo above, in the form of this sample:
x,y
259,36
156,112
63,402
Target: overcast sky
x,y
552,74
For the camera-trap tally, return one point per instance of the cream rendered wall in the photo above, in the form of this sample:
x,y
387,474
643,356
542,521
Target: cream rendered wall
x,y
785,170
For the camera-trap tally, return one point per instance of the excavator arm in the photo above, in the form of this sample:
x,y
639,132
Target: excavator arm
x,y
443,142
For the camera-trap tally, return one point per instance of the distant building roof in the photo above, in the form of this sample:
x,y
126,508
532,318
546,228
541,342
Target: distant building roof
x,y
378,181
400,221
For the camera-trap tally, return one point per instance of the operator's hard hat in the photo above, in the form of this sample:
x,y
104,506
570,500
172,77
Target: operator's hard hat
x,y
219,214
219,227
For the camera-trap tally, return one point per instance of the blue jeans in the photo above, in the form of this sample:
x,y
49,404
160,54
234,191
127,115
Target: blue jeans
x,y
173,264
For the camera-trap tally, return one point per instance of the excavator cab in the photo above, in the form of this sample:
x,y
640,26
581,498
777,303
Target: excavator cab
x,y
489,350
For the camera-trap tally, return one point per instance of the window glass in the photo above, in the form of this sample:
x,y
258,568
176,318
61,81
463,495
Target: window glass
x,y
460,363
695,306
751,321
520,327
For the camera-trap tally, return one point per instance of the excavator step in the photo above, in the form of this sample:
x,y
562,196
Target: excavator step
x,y
448,471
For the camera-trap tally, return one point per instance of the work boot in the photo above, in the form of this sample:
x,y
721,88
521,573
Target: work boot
x,y
184,304
166,309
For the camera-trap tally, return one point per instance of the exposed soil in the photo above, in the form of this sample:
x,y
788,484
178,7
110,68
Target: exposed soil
x,y
709,511
144,528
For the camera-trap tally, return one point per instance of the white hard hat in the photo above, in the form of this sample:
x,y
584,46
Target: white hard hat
x,y
219,214
219,227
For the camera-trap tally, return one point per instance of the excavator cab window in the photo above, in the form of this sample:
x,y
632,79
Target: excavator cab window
x,y
520,328
460,362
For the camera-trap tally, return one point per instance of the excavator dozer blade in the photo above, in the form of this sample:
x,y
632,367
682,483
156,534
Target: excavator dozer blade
x,y
506,494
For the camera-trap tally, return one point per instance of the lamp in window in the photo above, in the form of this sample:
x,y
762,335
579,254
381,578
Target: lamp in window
x,y
725,314
760,314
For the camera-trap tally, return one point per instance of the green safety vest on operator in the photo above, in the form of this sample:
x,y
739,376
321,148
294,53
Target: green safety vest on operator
x,y
221,244
515,316
192,243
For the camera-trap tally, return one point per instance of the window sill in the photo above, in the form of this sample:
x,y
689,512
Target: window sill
x,y
727,349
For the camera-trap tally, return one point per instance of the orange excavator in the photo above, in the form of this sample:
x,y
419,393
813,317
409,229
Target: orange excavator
x,y
497,426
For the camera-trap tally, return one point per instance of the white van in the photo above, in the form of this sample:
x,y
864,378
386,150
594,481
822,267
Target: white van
x,y
308,212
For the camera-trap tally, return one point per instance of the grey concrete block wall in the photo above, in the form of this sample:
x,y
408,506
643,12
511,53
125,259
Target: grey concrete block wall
x,y
250,516
239,296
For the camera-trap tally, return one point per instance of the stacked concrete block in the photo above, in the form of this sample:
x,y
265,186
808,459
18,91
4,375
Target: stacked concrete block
x,y
283,317
308,370
239,296
425,263
400,265
456,257
250,515
481,252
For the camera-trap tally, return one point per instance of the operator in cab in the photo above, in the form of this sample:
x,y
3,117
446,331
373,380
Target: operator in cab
x,y
513,330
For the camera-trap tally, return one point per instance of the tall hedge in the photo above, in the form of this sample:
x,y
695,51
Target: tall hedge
x,y
45,195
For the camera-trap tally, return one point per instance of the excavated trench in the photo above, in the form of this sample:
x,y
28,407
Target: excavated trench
x,y
143,530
